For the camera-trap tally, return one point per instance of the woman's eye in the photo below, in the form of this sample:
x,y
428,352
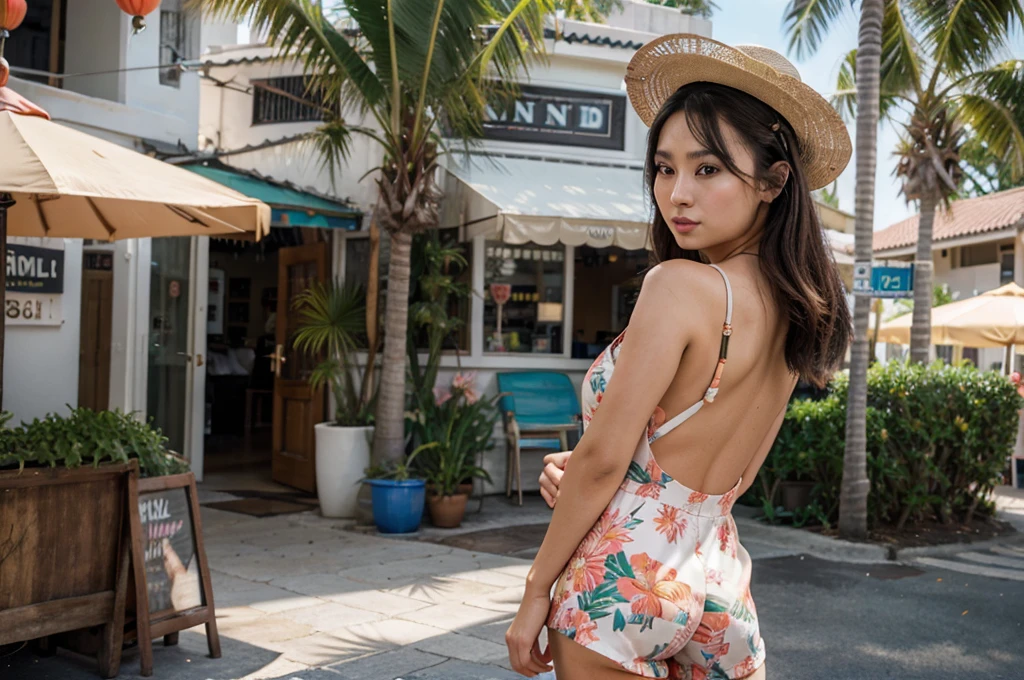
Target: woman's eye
x,y
707,170
664,169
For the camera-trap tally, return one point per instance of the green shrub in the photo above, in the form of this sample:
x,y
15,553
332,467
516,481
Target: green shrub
x,y
937,440
86,437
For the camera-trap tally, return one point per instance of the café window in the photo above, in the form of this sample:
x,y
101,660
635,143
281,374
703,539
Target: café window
x,y
607,286
1006,259
529,283
174,47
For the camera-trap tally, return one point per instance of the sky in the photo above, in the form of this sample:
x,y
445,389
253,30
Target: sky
x,y
760,22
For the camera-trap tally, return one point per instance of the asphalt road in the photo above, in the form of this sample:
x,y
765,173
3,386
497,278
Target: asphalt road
x,y
840,621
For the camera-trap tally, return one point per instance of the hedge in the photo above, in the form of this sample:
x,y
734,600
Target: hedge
x,y
938,437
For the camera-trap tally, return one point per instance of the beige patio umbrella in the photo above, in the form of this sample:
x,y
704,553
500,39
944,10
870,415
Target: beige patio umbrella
x,y
992,319
61,183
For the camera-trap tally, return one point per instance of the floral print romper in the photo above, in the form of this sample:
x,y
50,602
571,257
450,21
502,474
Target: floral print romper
x,y
661,584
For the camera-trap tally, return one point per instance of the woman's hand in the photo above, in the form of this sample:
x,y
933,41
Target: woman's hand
x,y
522,637
551,477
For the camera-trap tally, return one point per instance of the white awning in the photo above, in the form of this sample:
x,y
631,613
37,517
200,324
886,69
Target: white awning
x,y
546,202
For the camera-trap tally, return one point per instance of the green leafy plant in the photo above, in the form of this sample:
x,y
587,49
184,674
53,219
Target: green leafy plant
x,y
435,268
397,470
455,426
332,322
87,437
937,441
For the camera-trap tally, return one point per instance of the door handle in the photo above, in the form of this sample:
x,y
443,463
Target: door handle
x,y
277,358
188,357
199,360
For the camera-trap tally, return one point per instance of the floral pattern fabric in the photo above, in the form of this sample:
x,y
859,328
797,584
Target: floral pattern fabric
x,y
660,584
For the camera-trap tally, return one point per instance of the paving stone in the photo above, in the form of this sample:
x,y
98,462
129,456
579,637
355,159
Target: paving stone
x,y
452,616
262,631
387,665
463,670
493,631
388,604
331,615
282,667
265,568
506,600
324,586
265,598
321,649
387,633
463,647
442,590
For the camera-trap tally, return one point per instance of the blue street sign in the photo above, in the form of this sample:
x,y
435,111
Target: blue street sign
x,y
892,282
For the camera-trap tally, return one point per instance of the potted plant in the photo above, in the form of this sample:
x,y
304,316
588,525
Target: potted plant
x,y
64,497
397,495
455,426
332,324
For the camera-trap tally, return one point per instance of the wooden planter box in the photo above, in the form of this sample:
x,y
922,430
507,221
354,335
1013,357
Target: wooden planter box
x,y
64,554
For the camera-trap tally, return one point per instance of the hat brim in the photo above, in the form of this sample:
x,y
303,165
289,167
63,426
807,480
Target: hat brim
x,y
665,64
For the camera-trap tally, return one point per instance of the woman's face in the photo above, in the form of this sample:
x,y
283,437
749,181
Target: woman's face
x,y
706,207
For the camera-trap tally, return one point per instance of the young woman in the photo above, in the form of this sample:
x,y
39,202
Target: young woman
x,y
641,572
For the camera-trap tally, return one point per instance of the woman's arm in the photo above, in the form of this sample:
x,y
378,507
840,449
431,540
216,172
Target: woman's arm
x,y
644,369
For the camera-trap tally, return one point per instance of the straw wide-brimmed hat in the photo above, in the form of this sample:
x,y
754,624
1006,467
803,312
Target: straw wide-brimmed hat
x,y
662,66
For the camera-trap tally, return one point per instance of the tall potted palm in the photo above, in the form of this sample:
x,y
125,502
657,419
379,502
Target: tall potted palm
x,y
932,68
332,322
405,67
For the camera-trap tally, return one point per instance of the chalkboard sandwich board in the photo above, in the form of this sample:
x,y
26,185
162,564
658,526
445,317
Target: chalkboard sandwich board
x,y
172,577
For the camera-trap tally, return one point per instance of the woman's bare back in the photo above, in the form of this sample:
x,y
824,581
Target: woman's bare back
x,y
730,437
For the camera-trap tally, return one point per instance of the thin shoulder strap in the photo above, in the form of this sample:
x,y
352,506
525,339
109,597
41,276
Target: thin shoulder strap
x,y
712,391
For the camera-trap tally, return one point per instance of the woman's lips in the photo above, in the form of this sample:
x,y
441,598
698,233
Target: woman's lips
x,y
683,225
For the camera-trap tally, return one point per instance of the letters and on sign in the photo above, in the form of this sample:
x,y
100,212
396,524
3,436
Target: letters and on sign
x,y
556,116
892,282
34,285
172,572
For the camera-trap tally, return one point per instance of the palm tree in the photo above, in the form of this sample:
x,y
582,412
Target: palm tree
x,y
403,66
937,65
700,8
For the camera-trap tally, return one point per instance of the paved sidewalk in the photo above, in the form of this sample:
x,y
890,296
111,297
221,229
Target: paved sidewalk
x,y
301,596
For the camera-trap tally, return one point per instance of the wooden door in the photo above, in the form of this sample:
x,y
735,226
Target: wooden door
x,y
297,406
94,336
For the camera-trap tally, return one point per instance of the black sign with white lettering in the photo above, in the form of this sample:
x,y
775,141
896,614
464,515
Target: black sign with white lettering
x,y
34,270
554,116
168,542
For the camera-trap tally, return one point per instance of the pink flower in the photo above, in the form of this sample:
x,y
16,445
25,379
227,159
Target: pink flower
x,y
464,384
585,628
441,395
670,522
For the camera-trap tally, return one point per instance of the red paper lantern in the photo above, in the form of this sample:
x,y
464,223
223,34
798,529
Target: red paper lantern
x,y
12,13
137,9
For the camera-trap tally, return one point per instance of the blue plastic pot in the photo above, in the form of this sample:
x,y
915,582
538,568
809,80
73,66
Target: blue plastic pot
x,y
398,506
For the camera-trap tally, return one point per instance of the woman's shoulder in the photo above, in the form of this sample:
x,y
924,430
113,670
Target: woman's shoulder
x,y
694,284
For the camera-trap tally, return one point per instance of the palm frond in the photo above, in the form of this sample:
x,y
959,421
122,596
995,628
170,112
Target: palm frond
x,y
965,35
844,98
299,29
994,125
900,62
808,22
595,11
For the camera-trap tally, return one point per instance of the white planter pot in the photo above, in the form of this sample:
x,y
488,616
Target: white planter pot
x,y
342,453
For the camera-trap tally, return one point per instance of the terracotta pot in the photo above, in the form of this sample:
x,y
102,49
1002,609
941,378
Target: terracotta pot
x,y
447,511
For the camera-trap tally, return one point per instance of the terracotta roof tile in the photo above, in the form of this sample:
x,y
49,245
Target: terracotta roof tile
x,y
968,216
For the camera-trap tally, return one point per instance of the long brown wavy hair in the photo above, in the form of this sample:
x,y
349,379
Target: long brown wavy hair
x,y
794,257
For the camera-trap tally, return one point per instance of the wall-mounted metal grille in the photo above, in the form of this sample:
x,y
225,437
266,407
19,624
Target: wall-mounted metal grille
x,y
277,100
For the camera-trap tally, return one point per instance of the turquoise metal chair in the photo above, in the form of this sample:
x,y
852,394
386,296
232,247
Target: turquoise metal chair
x,y
539,409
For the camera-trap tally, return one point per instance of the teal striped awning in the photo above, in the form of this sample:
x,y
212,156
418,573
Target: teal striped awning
x,y
290,207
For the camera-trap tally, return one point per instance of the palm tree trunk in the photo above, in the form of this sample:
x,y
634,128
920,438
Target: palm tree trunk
x,y
853,496
921,329
372,313
389,433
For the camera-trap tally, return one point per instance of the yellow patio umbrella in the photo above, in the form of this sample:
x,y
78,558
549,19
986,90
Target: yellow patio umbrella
x,y
61,183
992,319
